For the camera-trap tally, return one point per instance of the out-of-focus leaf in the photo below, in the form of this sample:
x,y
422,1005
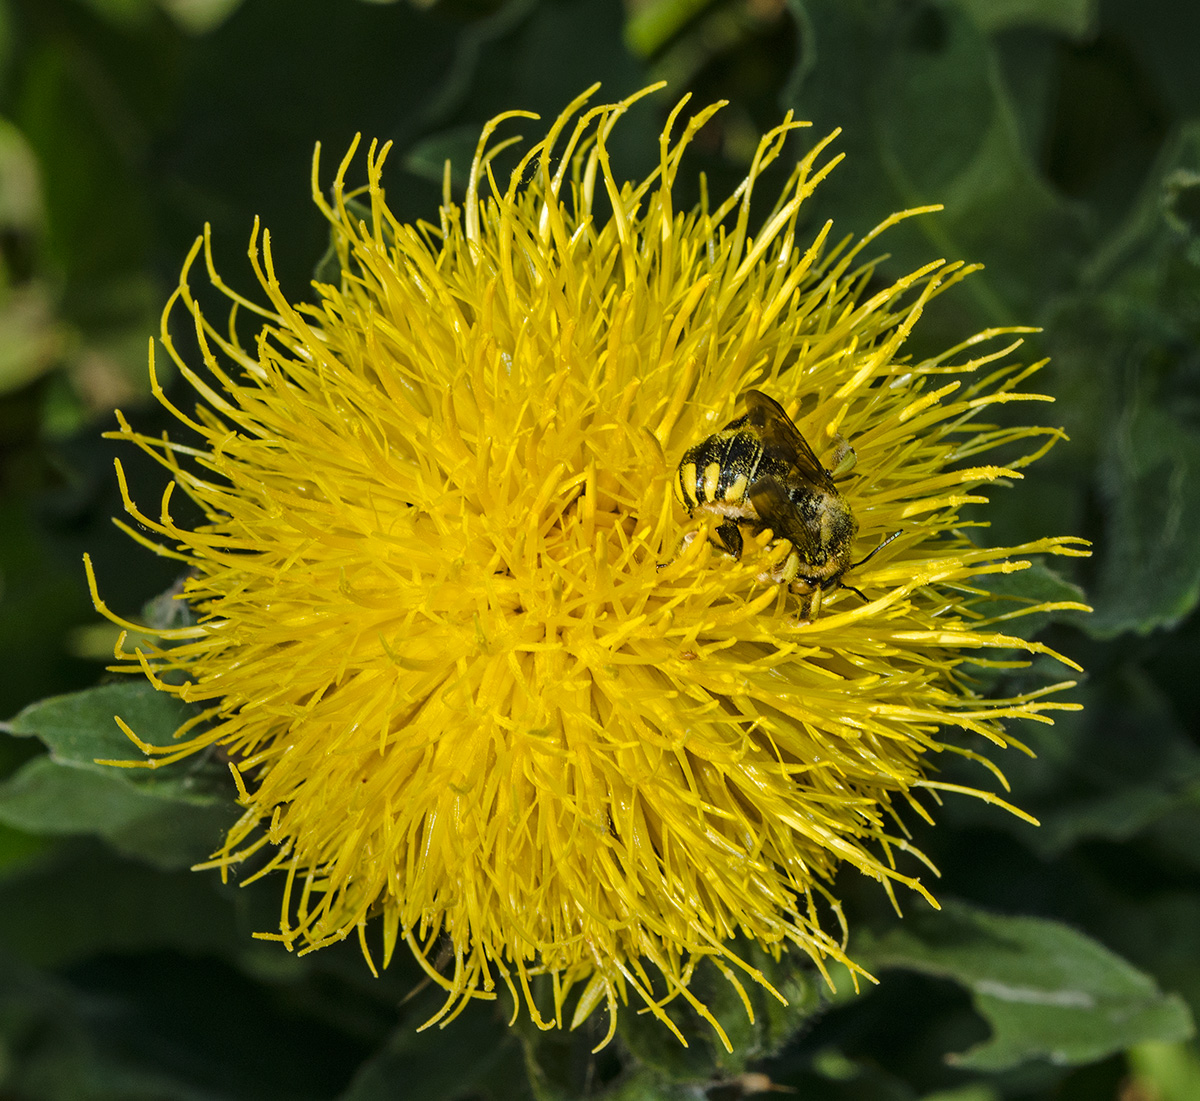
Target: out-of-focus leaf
x,y
1125,763
20,186
839,1077
1073,18
40,599
82,901
96,216
430,1064
80,727
428,157
653,23
885,73
975,1092
6,39
1176,837
645,1084
1181,208
1048,991
31,338
1156,931
538,57
1120,766
123,13
142,1005
170,817
1166,1072
1015,592
1150,574
43,1022
1161,38
166,824
705,1058
86,108
1125,372
1122,814
17,846
199,16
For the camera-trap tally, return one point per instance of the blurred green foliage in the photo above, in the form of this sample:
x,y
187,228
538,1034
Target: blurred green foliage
x,y
1063,138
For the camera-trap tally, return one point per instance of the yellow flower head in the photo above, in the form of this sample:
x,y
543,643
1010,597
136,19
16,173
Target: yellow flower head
x,y
471,673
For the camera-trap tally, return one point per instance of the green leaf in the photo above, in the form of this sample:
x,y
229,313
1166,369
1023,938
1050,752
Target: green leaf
x,y
21,205
1123,765
773,1024
31,338
170,817
1181,207
430,1064
427,158
82,901
885,73
166,824
1124,371
7,39
1073,18
646,1084
329,268
1166,1072
654,23
1156,929
80,727
199,16
538,57
1048,991
974,1092
17,847
124,13
1013,593
118,983
1150,572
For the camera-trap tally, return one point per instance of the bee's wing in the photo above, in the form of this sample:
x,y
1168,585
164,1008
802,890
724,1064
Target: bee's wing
x,y
775,509
782,441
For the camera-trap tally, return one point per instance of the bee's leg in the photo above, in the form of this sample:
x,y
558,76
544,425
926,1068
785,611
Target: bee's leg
x,y
810,601
785,573
684,543
844,458
728,537
790,568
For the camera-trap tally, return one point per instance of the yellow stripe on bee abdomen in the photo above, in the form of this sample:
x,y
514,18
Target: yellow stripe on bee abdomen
x,y
687,482
736,490
712,476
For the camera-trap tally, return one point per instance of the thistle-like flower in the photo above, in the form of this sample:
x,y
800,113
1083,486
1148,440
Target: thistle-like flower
x,y
473,678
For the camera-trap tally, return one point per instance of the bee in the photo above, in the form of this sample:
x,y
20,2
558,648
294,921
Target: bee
x,y
759,472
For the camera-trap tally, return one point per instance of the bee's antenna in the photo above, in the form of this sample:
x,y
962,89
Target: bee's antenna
x,y
864,561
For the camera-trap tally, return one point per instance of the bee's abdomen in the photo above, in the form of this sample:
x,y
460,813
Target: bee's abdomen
x,y
719,469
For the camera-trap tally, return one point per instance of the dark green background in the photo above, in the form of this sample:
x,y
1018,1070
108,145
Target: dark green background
x,y
1063,137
